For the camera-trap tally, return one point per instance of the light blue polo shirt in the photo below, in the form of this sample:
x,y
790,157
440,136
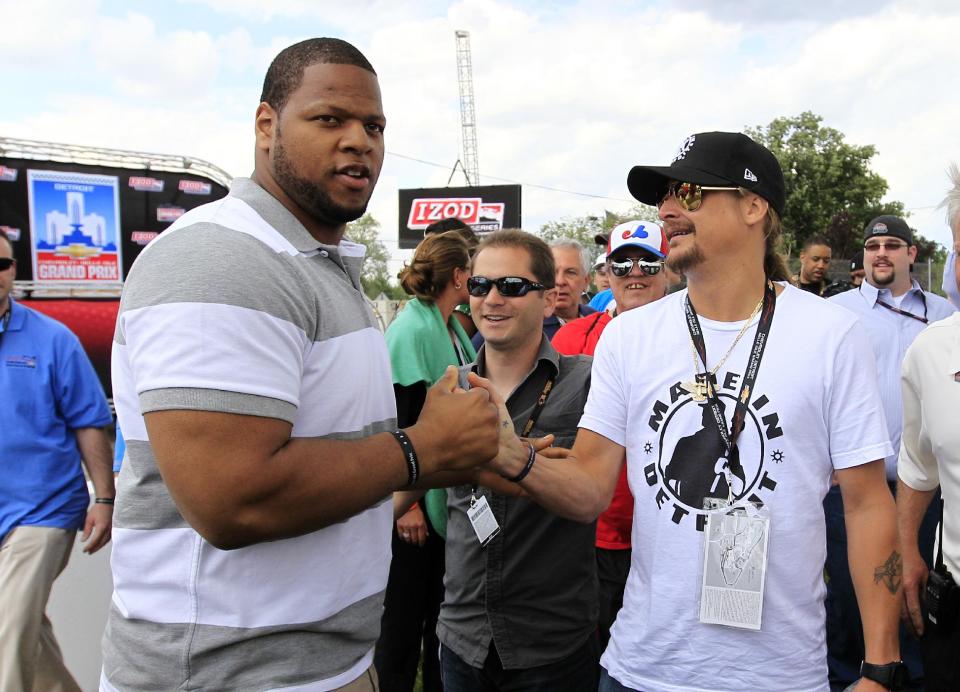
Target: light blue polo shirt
x,y
48,389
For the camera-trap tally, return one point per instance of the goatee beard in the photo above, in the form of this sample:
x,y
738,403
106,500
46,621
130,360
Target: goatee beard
x,y
310,197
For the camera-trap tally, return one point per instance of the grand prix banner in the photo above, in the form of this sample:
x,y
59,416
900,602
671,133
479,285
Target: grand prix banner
x,y
73,222
75,217
484,208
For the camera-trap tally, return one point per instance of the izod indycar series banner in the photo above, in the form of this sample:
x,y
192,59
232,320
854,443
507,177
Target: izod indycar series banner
x,y
75,220
483,208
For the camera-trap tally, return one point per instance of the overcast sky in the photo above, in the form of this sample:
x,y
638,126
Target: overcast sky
x,y
569,95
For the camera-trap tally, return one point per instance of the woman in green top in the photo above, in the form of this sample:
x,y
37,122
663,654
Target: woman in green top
x,y
423,340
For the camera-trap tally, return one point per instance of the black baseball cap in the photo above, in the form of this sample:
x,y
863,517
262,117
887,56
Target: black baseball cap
x,y
720,159
888,225
857,262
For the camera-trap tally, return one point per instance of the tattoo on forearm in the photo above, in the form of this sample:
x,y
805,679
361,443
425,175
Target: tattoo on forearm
x,y
890,573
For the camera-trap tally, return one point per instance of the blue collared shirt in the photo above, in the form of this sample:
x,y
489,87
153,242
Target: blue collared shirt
x,y
891,334
48,389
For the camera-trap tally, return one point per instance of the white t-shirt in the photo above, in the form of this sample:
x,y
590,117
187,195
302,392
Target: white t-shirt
x,y
815,408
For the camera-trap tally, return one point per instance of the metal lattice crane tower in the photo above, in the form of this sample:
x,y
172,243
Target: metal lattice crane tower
x,y
468,114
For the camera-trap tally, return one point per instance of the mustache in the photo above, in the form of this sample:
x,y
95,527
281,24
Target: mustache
x,y
671,226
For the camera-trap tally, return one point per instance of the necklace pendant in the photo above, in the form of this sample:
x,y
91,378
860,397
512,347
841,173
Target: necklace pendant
x,y
697,389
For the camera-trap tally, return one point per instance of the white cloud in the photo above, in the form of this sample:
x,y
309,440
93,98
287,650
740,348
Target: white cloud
x,y
44,30
568,96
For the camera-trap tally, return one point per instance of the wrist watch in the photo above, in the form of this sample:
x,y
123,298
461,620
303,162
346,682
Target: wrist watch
x,y
893,676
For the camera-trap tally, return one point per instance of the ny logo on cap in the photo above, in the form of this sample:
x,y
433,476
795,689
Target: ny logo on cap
x,y
684,148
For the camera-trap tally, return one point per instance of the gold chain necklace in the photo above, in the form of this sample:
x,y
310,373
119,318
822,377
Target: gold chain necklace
x,y
699,387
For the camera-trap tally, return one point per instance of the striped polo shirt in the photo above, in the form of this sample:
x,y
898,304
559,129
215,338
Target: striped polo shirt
x,y
237,308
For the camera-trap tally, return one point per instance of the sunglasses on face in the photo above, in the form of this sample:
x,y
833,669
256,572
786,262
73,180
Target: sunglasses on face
x,y
688,195
508,286
621,269
889,246
6,263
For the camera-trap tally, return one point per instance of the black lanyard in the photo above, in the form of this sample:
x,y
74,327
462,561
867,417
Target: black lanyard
x,y
894,308
729,435
541,402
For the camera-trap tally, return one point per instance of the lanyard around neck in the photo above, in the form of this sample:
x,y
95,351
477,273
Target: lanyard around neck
x,y
899,311
729,435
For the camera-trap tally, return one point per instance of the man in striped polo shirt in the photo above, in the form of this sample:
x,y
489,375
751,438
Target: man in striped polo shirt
x,y
252,535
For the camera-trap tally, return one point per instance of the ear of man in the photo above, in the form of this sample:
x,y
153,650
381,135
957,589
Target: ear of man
x,y
753,209
549,302
264,126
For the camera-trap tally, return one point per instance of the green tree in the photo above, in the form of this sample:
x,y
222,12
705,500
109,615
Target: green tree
x,y
584,228
831,189
375,276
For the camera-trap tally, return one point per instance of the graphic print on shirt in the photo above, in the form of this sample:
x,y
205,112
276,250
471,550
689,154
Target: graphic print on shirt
x,y
686,459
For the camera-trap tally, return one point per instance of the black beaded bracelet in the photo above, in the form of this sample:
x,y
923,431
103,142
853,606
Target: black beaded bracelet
x,y
103,501
409,455
526,469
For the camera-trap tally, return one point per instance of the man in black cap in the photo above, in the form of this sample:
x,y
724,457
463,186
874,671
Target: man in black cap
x,y
792,405
857,272
894,309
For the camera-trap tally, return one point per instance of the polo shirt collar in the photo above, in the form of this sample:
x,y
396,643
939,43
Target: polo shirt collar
x,y
547,354
871,293
285,223
17,315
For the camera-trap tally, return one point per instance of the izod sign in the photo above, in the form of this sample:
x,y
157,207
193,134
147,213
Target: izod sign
x,y
424,212
485,208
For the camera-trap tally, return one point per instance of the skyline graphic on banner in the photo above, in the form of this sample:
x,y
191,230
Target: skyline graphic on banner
x,y
74,220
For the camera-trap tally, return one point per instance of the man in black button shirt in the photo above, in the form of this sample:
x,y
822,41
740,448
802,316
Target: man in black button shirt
x,y
520,612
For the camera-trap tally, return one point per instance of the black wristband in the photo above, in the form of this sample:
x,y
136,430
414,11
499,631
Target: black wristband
x,y
103,501
409,455
526,469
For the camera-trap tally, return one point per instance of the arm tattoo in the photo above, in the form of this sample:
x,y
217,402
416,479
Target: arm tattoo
x,y
890,573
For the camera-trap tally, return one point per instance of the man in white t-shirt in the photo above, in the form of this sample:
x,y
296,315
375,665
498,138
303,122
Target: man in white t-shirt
x,y
812,408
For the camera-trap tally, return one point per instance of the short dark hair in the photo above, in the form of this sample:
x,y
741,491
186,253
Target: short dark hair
x,y
814,240
286,71
453,224
4,236
542,265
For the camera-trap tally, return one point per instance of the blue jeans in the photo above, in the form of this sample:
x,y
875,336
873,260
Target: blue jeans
x,y
608,684
578,672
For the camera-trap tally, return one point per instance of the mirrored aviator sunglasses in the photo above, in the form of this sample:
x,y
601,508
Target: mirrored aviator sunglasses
x,y
688,195
621,269
508,286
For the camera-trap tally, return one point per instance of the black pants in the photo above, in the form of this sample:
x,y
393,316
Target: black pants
x,y
410,611
613,566
941,660
578,672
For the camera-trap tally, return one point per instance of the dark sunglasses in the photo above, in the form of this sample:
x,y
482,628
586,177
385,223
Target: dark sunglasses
x,y
688,195
6,263
623,268
508,286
